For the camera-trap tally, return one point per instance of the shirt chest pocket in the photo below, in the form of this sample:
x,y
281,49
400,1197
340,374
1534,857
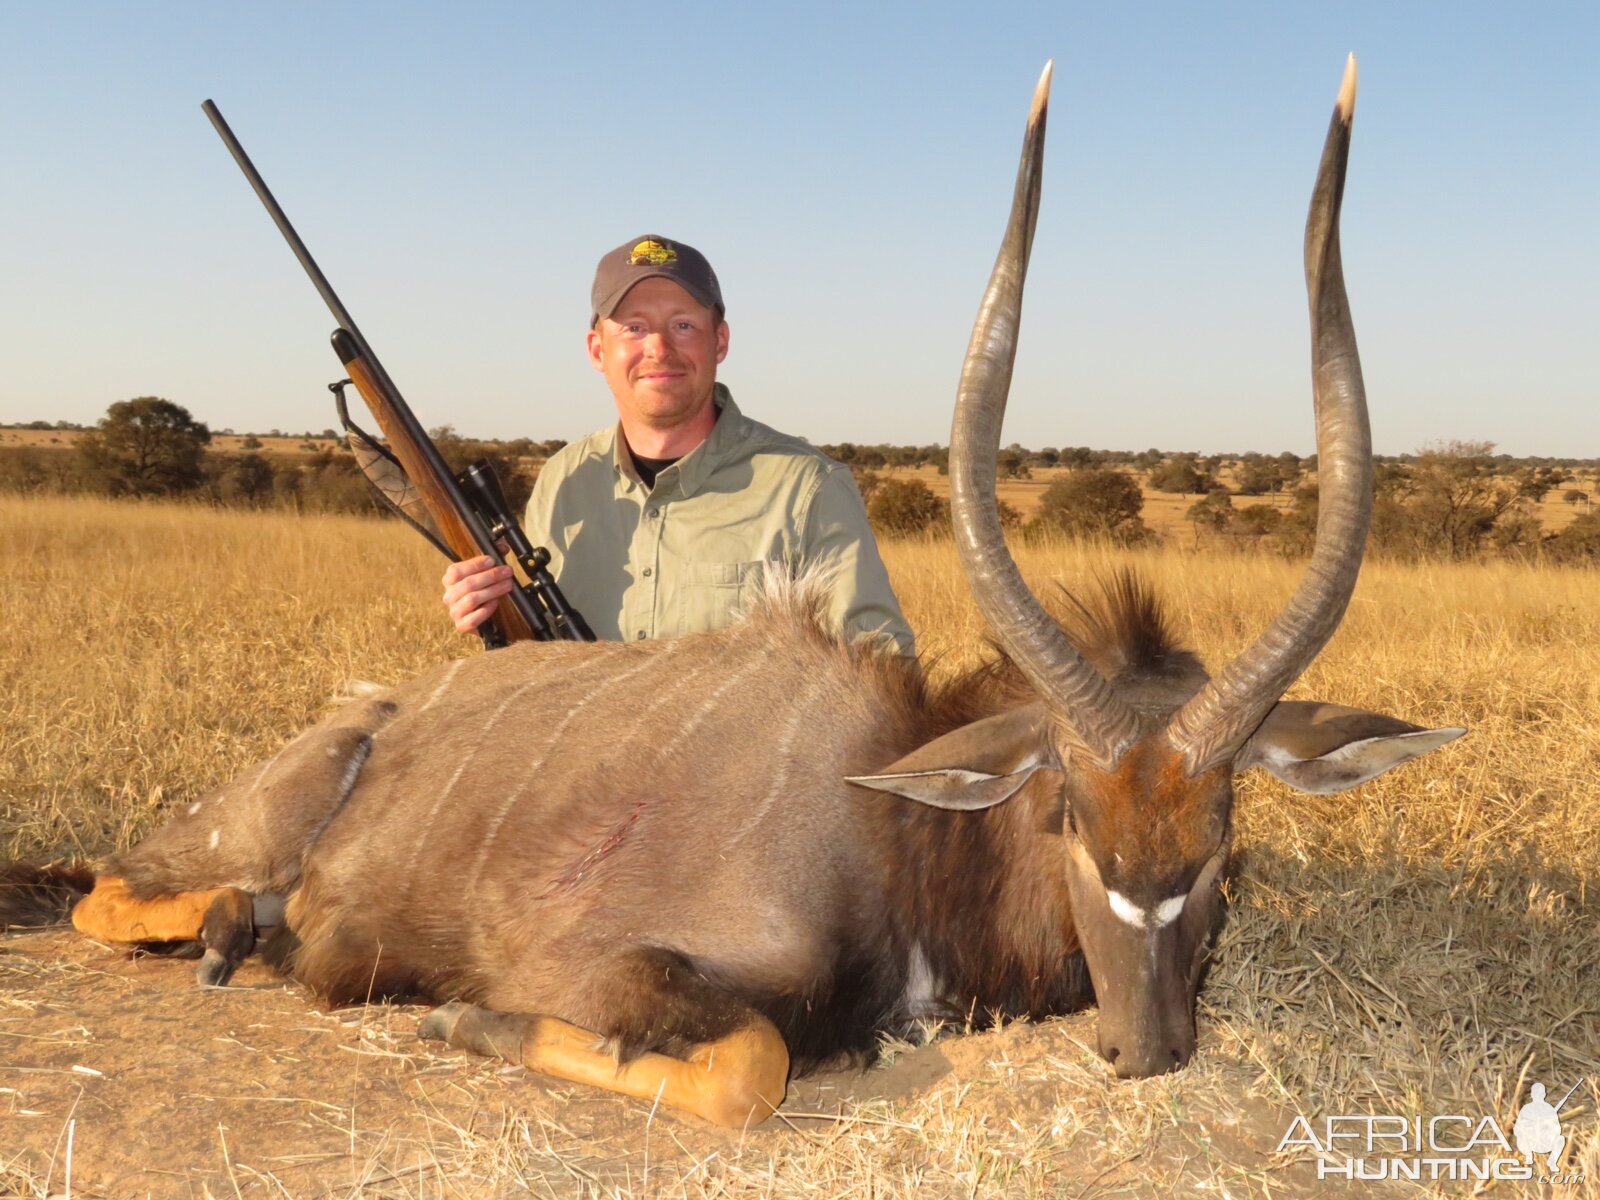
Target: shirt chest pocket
x,y
715,593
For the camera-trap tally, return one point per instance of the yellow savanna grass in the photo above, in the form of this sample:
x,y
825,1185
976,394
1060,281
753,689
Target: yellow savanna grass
x,y
1423,944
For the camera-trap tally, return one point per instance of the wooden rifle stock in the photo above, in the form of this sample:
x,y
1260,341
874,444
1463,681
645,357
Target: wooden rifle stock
x,y
437,489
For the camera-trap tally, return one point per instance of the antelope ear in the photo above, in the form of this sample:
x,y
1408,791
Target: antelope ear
x,y
1325,748
976,766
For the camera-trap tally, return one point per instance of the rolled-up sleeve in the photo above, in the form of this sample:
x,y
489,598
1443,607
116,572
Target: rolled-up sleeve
x,y
836,531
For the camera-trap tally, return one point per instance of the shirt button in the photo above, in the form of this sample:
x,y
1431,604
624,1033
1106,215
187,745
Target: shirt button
x,y
652,513
640,635
647,572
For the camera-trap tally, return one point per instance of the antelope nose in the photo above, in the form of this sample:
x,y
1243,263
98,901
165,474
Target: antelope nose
x,y
1143,1065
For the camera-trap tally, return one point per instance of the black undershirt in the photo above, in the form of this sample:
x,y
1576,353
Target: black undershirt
x,y
649,468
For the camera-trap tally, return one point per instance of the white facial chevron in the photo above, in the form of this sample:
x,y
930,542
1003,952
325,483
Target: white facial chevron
x,y
1161,915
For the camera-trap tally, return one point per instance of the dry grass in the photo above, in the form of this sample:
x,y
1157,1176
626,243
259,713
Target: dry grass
x,y
1423,945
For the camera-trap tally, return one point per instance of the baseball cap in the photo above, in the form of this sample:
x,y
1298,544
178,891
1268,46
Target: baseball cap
x,y
650,257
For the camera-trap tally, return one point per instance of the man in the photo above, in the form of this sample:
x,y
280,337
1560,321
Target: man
x,y
660,526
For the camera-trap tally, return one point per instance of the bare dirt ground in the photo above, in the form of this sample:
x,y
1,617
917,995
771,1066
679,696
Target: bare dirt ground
x,y
165,1089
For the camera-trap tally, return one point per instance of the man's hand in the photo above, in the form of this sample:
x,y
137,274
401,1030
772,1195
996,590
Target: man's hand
x,y
473,588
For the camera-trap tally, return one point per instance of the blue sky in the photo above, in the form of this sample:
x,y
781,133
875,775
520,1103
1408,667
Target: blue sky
x,y
847,168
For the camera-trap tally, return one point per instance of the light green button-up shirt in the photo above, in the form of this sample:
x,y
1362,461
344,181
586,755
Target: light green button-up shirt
x,y
685,555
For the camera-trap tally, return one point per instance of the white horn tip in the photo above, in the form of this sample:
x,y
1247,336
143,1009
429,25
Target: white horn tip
x,y
1041,94
1347,91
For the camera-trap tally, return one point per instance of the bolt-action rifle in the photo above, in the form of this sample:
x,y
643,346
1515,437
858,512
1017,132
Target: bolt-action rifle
x,y
463,515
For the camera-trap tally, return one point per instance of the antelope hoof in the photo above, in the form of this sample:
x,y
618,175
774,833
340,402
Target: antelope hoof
x,y
214,970
228,934
439,1024
478,1030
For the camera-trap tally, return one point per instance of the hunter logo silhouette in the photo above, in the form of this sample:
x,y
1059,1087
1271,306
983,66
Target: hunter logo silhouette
x,y
1538,1128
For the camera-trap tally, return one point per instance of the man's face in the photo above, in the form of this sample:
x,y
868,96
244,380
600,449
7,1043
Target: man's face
x,y
659,351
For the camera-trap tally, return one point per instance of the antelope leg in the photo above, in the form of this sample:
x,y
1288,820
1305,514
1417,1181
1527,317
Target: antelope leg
x,y
736,1081
111,913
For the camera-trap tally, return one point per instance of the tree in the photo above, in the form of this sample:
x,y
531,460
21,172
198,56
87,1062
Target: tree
x,y
1447,501
1012,463
1147,460
1093,502
1183,475
870,457
145,447
1574,496
1258,475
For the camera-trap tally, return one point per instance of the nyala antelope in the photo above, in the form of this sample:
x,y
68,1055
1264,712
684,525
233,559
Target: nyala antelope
x,y
681,870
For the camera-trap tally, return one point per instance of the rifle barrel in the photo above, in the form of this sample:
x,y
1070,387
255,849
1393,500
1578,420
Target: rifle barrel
x,y
1570,1090
399,410
281,219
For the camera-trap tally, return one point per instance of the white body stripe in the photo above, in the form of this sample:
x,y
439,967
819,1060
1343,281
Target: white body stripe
x,y
444,684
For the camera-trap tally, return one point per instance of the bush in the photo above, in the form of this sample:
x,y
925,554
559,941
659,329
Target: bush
x,y
1254,523
1093,502
329,482
1578,542
903,506
242,480
1297,531
514,481
31,471
1214,514
867,482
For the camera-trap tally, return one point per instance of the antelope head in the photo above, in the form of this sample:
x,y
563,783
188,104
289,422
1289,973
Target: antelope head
x,y
1147,779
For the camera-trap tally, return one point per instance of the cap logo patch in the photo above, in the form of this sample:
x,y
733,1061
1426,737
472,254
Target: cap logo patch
x,y
651,254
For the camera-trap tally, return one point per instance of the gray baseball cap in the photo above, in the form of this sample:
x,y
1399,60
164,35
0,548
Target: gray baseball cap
x,y
649,257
